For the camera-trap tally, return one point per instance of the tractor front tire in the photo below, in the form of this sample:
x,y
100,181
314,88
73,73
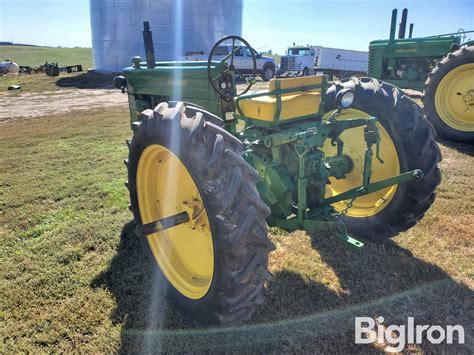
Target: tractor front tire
x,y
448,96
412,138
225,188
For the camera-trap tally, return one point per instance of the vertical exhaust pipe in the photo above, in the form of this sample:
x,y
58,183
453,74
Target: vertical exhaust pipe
x,y
393,25
148,42
403,24
410,34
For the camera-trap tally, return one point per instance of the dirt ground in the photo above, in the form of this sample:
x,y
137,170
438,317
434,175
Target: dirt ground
x,y
33,105
24,105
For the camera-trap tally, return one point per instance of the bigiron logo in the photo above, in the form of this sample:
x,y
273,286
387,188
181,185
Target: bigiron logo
x,y
398,336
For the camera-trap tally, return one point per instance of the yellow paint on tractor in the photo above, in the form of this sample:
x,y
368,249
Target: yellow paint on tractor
x,y
354,147
293,105
454,98
185,253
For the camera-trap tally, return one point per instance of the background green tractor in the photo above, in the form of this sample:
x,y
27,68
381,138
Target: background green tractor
x,y
209,168
441,66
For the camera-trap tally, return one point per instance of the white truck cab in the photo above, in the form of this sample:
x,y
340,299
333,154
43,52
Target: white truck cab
x,y
243,62
310,60
299,59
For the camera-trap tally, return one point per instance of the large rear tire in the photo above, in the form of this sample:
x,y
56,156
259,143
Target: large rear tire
x,y
220,283
448,96
407,137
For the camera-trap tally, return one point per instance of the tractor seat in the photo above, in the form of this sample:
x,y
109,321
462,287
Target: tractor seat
x,y
295,104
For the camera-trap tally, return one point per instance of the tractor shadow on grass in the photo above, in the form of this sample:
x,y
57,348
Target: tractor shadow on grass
x,y
299,314
382,279
139,306
464,148
87,80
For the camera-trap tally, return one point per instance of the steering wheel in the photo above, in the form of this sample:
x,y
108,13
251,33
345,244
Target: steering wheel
x,y
228,96
462,34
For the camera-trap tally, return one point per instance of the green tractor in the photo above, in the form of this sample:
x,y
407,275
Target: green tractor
x,y
210,167
441,66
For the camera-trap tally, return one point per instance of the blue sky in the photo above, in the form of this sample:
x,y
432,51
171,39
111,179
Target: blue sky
x,y
268,24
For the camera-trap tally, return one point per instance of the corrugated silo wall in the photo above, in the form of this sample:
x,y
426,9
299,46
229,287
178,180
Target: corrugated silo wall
x,y
178,26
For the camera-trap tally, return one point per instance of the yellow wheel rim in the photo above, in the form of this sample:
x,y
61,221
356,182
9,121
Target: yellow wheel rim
x,y
185,253
454,98
354,148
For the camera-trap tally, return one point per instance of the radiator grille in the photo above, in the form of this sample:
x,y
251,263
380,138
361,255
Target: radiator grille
x,y
371,61
287,63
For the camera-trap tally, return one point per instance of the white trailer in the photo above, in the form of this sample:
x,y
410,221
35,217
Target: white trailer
x,y
310,60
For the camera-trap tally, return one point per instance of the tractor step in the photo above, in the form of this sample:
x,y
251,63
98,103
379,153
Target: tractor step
x,y
348,239
337,228
340,230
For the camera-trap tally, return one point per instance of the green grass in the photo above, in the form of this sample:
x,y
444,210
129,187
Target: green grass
x,y
277,57
35,56
40,83
73,278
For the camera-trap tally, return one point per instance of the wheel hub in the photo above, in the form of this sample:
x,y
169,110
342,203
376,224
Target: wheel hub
x,y
354,148
357,160
454,98
468,99
196,212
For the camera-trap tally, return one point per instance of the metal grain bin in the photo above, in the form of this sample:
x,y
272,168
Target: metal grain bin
x,y
178,26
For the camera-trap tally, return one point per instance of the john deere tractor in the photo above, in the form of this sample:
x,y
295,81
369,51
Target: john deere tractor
x,y
209,168
441,66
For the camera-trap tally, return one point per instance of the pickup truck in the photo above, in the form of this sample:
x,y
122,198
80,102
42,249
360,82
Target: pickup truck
x,y
266,66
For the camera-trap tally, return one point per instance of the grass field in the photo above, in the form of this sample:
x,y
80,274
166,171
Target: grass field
x,y
74,279
40,83
35,56
277,57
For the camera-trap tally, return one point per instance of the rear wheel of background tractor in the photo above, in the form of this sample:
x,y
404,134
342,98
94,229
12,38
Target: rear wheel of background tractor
x,y
449,96
407,143
214,266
